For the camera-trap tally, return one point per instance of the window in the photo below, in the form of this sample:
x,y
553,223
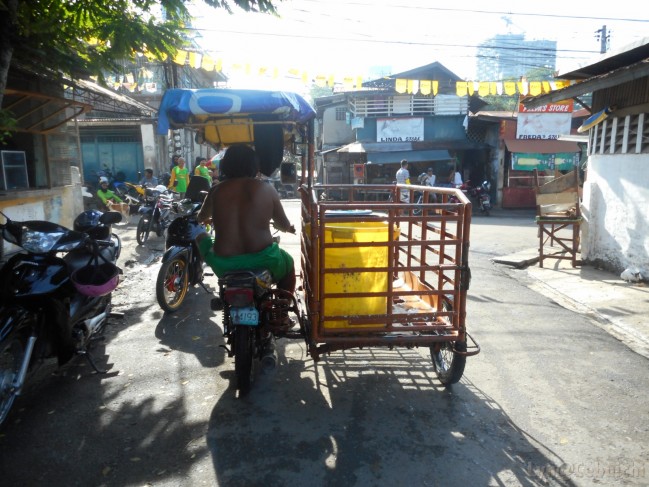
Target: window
x,y
341,113
14,170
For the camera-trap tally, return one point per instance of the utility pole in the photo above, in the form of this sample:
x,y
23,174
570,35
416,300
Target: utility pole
x,y
604,38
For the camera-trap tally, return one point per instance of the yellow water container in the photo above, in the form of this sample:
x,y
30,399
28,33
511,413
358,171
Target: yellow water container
x,y
356,282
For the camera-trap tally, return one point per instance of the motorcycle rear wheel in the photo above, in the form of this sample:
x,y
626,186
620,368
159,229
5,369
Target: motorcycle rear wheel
x,y
244,345
172,284
143,227
12,353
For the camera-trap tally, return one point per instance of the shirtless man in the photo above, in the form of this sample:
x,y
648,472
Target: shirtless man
x,y
241,209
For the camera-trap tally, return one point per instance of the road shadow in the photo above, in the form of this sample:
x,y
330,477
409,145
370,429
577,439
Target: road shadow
x,y
371,417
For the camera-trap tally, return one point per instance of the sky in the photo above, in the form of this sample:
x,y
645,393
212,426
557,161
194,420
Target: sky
x,y
370,38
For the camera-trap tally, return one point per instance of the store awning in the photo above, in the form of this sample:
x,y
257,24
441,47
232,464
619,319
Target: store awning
x,y
534,146
410,156
389,152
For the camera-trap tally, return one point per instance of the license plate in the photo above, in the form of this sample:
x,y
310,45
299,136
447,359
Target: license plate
x,y
244,316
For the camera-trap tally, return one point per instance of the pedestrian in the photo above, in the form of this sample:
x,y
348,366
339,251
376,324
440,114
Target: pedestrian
x,y
202,170
179,178
148,181
403,177
174,162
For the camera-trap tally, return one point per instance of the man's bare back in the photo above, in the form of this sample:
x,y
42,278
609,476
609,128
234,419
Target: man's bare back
x,y
241,211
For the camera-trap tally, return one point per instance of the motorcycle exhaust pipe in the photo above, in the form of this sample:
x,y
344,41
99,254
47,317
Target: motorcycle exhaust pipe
x,y
93,324
269,358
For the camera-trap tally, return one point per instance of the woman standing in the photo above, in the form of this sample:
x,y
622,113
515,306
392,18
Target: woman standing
x,y
179,178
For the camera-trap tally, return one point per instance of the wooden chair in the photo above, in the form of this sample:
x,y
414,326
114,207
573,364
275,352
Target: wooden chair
x,y
558,217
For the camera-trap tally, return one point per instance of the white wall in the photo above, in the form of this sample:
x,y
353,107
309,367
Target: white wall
x,y
335,132
615,233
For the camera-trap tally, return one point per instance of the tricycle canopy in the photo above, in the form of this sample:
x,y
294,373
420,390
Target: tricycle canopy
x,y
270,120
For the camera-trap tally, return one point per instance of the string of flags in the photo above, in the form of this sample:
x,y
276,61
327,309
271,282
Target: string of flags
x,y
142,80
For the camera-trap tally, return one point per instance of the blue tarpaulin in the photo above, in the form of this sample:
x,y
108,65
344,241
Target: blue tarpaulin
x,y
182,106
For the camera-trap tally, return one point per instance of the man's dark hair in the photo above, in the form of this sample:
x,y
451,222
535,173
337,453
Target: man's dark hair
x,y
239,161
404,163
148,170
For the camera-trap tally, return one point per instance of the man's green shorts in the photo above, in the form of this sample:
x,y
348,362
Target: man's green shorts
x,y
277,261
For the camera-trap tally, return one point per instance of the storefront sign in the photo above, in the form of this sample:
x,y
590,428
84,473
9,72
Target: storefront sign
x,y
562,161
399,129
545,122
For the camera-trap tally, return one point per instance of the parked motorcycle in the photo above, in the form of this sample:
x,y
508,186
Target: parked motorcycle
x,y
481,195
182,264
255,313
157,213
52,306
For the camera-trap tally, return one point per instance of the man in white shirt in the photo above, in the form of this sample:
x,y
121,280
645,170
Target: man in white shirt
x,y
403,177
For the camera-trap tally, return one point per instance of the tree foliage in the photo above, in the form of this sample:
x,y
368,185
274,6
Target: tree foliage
x,y
86,37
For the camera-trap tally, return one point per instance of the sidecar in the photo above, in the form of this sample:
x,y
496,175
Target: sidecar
x,y
373,273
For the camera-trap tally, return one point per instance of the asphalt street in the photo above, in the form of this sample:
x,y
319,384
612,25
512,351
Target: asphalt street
x,y
552,399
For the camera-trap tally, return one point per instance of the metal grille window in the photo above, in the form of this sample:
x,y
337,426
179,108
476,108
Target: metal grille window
x,y
340,113
621,135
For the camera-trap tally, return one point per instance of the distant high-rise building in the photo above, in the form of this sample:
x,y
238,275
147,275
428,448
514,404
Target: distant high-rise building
x,y
510,56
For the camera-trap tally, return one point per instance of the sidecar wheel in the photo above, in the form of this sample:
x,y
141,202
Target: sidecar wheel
x,y
142,234
448,365
244,344
12,353
172,283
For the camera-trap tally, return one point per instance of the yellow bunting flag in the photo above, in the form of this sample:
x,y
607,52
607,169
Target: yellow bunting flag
x,y
535,88
400,86
331,80
359,82
435,87
410,86
510,88
262,70
461,88
425,87
208,63
348,83
546,87
320,81
305,77
218,66
180,57
275,73
522,87
195,60
483,88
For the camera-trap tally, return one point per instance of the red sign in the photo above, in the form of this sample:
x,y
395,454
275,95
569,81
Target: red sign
x,y
564,106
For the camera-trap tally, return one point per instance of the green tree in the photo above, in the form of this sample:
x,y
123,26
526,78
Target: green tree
x,y
81,38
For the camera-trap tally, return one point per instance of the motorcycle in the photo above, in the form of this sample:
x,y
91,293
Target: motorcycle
x,y
255,313
157,213
53,306
481,195
182,264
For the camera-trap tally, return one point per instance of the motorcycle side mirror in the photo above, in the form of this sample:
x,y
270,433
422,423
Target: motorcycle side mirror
x,y
110,217
288,173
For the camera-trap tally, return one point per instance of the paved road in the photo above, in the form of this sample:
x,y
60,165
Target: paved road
x,y
551,400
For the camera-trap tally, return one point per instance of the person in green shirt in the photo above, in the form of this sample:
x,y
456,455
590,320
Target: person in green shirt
x,y
179,178
202,170
106,195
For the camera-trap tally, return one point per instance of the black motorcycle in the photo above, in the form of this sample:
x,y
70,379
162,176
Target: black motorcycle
x,y
157,213
255,313
182,264
52,306
481,195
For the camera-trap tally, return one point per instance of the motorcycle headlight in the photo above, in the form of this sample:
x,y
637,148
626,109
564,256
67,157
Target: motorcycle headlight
x,y
39,242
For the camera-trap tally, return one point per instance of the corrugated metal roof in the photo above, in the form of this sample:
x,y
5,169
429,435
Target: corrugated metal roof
x,y
534,146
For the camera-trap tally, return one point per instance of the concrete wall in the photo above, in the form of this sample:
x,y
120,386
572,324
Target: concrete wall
x,y
58,205
615,234
335,132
